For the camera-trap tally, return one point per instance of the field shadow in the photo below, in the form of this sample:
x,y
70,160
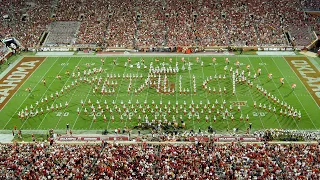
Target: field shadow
x,y
288,94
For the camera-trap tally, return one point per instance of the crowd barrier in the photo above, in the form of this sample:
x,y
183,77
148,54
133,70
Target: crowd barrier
x,y
180,49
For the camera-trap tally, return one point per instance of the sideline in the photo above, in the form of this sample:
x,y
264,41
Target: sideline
x,y
9,68
158,142
315,62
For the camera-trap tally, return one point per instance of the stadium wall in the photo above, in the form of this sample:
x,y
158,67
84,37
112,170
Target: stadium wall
x,y
186,50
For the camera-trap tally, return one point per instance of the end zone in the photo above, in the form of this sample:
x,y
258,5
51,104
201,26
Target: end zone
x,y
308,74
14,79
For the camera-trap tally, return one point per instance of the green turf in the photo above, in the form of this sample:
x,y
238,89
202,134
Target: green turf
x,y
52,66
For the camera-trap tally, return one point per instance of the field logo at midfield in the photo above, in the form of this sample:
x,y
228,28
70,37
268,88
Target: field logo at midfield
x,y
12,81
309,75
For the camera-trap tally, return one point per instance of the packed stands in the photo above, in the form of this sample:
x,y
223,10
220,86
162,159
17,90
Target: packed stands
x,y
94,22
122,26
160,161
314,23
310,5
164,22
210,30
26,21
151,26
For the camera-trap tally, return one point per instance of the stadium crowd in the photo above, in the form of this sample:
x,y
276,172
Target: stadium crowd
x,y
164,23
312,5
161,161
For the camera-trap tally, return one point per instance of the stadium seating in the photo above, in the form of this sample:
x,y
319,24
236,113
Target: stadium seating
x,y
164,23
146,161
62,33
311,5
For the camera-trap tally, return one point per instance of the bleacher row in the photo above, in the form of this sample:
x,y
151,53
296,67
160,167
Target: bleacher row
x,y
61,32
145,23
163,161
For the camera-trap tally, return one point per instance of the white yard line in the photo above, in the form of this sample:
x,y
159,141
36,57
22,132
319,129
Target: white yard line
x,y
74,90
205,93
147,88
120,84
295,92
15,113
103,95
85,101
275,87
45,93
125,124
16,92
215,71
253,99
161,94
176,91
300,81
176,85
191,93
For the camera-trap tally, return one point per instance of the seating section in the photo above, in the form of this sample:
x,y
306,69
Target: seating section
x,y
311,5
62,33
122,26
146,161
149,23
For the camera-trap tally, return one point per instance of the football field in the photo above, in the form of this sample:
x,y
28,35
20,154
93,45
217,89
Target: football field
x,y
177,90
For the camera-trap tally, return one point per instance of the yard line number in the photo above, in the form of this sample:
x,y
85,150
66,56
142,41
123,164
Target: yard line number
x,y
59,114
256,114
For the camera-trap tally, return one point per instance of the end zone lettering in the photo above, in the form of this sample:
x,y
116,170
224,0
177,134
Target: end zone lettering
x,y
10,83
308,74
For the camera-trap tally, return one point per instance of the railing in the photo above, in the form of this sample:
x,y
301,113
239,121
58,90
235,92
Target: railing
x,y
314,41
5,55
182,49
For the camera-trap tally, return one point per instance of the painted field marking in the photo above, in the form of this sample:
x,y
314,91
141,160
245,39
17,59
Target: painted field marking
x,y
74,90
261,83
125,124
19,70
215,71
125,69
191,93
206,94
85,101
277,88
15,113
102,95
295,92
44,95
236,94
296,75
147,89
